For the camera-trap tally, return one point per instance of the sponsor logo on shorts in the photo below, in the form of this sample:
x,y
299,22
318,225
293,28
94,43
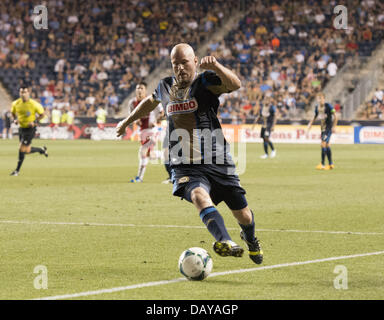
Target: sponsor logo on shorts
x,y
183,180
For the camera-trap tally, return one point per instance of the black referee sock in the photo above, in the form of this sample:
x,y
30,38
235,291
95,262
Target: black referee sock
x,y
39,150
249,230
215,223
21,159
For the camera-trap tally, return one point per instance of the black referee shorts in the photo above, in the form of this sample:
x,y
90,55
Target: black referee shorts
x,y
26,135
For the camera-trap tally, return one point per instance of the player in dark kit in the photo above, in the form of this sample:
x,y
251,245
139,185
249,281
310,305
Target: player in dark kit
x,y
268,114
7,120
202,169
24,110
328,121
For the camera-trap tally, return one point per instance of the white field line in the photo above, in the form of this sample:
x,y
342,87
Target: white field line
x,y
95,224
215,274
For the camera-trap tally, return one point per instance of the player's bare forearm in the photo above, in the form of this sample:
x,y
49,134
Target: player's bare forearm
x,y
334,122
274,122
143,108
310,125
228,78
256,120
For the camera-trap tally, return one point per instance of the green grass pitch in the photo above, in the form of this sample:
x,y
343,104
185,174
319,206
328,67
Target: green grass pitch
x,y
76,214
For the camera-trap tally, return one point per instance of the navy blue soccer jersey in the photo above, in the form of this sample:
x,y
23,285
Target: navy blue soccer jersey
x,y
194,132
325,115
268,115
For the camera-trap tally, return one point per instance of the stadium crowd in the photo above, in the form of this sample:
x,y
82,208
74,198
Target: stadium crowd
x,y
373,109
289,50
93,53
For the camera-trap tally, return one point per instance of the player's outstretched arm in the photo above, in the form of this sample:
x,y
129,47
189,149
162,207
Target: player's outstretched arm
x,y
228,78
310,125
257,118
143,108
274,121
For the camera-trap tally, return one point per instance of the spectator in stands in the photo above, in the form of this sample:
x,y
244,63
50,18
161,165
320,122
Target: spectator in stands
x,y
332,69
379,96
303,66
44,80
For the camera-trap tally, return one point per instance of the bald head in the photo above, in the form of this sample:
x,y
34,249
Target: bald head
x,y
184,63
183,49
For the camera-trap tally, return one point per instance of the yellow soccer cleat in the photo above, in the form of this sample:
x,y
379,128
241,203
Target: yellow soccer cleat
x,y
254,247
320,167
330,167
227,248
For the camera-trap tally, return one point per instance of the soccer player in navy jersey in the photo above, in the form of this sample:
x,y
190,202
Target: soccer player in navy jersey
x,y
268,114
203,171
328,121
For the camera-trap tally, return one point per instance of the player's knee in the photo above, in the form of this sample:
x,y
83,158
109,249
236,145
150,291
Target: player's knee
x,y
25,149
199,196
198,193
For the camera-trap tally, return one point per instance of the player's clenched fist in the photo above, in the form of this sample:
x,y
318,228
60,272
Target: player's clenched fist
x,y
120,128
208,63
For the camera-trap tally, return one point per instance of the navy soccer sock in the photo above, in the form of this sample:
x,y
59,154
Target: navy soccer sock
x,y
329,155
21,159
249,230
271,145
323,153
266,147
215,223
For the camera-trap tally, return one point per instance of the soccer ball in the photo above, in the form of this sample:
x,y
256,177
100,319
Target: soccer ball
x,y
195,264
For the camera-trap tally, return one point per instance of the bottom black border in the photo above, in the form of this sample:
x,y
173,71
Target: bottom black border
x,y
194,309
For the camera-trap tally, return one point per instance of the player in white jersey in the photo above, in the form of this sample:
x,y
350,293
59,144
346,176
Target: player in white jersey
x,y
148,131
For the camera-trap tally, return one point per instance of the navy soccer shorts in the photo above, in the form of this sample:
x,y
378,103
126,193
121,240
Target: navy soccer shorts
x,y
265,132
219,185
326,135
